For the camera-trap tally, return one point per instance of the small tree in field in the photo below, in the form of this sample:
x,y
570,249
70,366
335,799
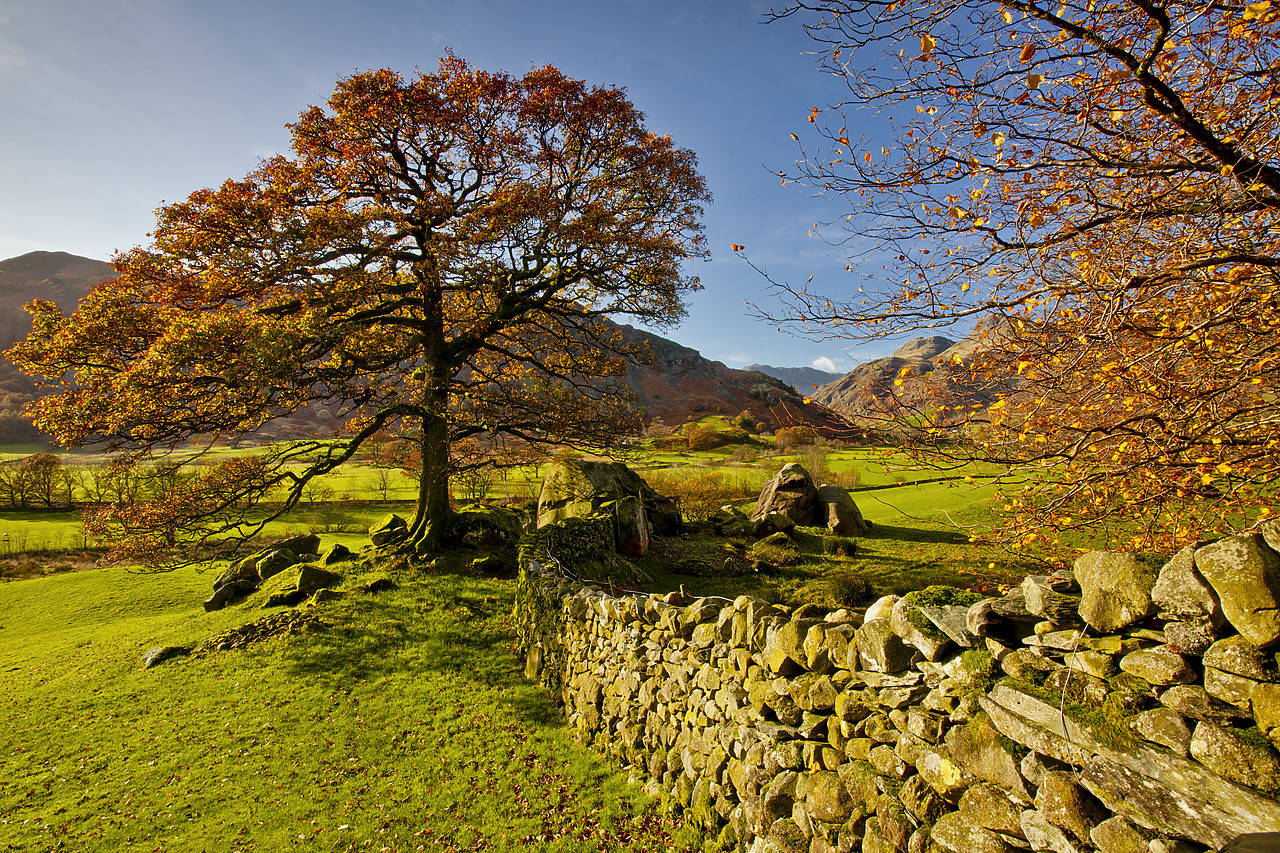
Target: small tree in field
x,y
435,259
1103,180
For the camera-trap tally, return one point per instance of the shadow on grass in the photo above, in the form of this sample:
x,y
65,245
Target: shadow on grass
x,y
918,534
421,631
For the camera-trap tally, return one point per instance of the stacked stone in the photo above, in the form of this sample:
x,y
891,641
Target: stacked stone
x,y
1122,707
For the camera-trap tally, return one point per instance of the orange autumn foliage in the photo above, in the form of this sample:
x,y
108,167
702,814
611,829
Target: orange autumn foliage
x,y
1101,181
434,261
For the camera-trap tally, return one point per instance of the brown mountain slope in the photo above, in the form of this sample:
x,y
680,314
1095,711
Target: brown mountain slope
x,y
871,392
55,276
678,385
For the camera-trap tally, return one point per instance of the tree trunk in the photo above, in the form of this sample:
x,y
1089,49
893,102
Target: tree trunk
x,y
431,515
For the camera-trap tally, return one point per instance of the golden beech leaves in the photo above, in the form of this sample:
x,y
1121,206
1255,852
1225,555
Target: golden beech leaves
x,y
436,262
1124,163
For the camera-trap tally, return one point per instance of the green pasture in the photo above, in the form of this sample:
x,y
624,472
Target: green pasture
x,y
403,722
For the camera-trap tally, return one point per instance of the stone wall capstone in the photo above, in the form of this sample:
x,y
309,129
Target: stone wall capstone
x,y
912,728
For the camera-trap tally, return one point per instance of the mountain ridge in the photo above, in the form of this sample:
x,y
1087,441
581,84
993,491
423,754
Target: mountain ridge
x,y
678,384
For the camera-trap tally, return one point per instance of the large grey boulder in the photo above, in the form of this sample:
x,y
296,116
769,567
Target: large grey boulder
x,y
1115,589
1245,574
839,513
792,493
577,488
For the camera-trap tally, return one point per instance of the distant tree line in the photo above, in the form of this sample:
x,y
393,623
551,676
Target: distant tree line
x,y
44,481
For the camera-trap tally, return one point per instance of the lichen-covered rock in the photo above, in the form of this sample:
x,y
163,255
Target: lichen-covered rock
x,y
1181,592
784,649
788,836
958,832
1048,597
1166,727
1067,805
1042,835
983,751
920,801
1233,755
1229,687
770,524
912,626
1160,666
1115,589
1240,657
160,654
312,578
880,649
1265,703
826,798
990,807
578,488
1028,665
1117,835
1245,574
276,561
388,529
334,554
1190,637
943,773
227,593
1192,700
790,492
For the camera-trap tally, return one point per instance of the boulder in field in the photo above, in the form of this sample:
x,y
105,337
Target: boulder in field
x,y
792,493
388,529
839,513
577,488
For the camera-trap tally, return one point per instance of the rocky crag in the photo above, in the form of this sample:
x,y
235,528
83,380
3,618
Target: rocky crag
x,y
1126,707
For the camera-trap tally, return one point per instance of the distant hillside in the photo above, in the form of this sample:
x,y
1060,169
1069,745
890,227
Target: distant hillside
x,y
803,379
869,393
678,385
56,276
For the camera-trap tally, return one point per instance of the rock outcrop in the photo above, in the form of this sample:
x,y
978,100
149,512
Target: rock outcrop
x,y
792,494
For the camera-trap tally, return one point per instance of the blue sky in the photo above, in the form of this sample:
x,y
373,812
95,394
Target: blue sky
x,y
111,106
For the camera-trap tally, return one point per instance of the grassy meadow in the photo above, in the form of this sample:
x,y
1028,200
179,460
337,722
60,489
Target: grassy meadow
x,y
394,721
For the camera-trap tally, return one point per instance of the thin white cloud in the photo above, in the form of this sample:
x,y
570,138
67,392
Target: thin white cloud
x,y
830,365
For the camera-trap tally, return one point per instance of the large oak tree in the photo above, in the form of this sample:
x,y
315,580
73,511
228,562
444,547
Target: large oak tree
x,y
434,260
1102,179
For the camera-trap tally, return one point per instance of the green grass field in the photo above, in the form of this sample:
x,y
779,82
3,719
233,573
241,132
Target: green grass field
x,y
402,721
403,724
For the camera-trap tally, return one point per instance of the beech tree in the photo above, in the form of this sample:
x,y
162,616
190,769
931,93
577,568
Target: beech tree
x,y
1099,181
434,260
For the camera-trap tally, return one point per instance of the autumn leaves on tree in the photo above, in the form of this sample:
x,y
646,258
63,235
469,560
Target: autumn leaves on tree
x,y
433,261
1102,178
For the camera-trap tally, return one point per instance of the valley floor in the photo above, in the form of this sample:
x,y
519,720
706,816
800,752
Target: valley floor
x,y
398,721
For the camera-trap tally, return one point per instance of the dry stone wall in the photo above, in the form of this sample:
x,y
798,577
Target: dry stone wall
x,y
1126,707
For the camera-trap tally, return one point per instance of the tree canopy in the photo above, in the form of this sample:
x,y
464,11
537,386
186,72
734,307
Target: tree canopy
x,y
1099,179
435,261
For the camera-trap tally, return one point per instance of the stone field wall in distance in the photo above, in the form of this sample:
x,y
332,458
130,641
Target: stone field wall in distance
x,y
1126,707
